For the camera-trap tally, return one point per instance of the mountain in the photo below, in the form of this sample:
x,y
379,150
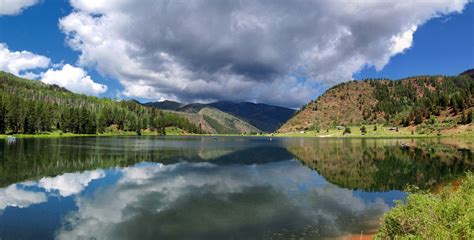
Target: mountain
x,y
165,105
193,107
212,120
469,72
268,118
434,102
29,106
209,119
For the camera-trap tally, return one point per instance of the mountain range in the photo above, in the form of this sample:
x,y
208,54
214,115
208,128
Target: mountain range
x,y
263,117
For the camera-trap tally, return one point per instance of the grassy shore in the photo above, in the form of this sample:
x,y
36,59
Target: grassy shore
x,y
372,131
376,131
448,214
58,134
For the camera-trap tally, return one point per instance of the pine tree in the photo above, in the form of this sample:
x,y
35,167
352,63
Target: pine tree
x,y
363,130
418,119
347,130
463,118
2,114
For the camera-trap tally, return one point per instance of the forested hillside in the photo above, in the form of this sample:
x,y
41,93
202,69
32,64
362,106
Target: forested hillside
x,y
30,107
434,102
165,105
212,120
264,117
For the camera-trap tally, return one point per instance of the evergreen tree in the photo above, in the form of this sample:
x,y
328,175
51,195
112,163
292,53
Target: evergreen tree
x,y
463,118
347,130
363,130
418,119
30,107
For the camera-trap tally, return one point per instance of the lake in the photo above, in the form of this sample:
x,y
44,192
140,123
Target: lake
x,y
206,188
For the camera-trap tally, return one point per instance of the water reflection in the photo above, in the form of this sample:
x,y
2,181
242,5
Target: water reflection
x,y
206,201
36,158
201,188
15,196
381,165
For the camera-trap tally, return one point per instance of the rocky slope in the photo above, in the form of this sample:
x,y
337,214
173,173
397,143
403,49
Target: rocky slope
x,y
266,118
441,101
212,120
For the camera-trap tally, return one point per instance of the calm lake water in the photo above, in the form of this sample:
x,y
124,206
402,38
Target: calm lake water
x,y
205,188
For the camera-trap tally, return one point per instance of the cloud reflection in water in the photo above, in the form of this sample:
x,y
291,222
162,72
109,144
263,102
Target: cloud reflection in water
x,y
206,201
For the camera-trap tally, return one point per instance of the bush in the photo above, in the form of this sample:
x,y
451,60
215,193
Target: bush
x,y
347,130
363,130
418,119
422,215
315,127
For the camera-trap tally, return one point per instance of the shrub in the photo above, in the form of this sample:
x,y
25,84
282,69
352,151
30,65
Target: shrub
x,y
463,118
422,215
418,119
347,130
315,127
363,130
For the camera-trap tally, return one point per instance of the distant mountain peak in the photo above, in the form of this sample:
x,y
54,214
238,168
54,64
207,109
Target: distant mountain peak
x,y
469,72
263,116
165,105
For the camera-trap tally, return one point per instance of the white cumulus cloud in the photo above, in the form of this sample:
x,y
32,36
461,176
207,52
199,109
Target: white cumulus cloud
x,y
70,183
13,7
18,62
73,78
12,196
242,50
156,190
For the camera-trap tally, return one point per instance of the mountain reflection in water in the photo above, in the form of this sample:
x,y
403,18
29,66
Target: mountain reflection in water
x,y
201,188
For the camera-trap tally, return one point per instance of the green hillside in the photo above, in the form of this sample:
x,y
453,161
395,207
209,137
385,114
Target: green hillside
x,y
267,118
436,103
30,107
212,120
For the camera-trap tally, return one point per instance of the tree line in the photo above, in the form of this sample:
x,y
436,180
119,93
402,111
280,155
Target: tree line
x,y
31,107
420,98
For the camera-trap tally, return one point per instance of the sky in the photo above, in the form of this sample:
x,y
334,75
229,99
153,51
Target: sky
x,y
276,52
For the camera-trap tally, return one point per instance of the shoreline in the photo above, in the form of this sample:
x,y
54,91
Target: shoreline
x,y
370,132
291,135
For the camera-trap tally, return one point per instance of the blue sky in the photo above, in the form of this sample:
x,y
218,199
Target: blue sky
x,y
37,30
442,45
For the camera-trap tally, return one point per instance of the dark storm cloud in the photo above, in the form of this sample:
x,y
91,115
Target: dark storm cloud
x,y
241,50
